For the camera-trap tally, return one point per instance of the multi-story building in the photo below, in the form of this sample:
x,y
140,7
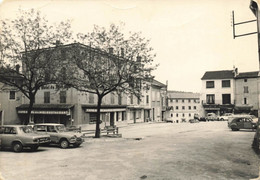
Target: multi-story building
x,y
218,91
72,107
184,105
247,92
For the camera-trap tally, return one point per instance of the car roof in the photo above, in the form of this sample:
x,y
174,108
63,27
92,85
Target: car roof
x,y
49,124
12,125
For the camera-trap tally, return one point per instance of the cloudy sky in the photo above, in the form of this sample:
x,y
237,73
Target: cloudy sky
x,y
189,36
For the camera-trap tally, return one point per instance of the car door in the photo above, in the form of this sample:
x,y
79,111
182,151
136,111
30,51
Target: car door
x,y
9,134
53,133
248,123
240,123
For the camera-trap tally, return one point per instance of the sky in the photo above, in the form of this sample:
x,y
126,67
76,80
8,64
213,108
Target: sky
x,y
189,37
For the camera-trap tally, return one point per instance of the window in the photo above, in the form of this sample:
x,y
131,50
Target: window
x,y
189,107
62,96
177,107
195,100
183,115
91,98
246,89
210,84
176,100
47,97
132,99
12,95
112,98
245,80
119,99
226,99
225,83
183,107
194,107
171,115
183,100
171,100
245,101
147,99
210,98
189,100
189,115
177,114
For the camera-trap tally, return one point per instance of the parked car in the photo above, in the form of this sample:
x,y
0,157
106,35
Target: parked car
x,y
225,116
193,120
169,121
212,117
59,135
242,123
202,118
19,136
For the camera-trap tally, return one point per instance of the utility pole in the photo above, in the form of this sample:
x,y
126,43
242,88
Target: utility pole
x,y
254,8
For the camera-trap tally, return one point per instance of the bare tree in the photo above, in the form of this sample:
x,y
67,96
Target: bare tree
x,y
25,42
111,62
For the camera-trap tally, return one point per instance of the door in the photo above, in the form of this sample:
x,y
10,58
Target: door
x,y
248,123
53,134
112,121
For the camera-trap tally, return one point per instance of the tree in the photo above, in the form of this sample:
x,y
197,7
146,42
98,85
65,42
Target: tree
x,y
25,42
97,71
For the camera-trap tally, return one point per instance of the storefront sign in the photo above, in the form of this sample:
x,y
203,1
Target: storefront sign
x,y
106,110
44,112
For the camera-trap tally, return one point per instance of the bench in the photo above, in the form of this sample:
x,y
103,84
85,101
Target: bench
x,y
111,129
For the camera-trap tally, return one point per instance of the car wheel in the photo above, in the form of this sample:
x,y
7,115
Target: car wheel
x,y
17,147
64,144
221,119
34,148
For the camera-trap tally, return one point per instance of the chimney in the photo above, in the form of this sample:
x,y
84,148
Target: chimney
x,y
17,68
122,52
110,50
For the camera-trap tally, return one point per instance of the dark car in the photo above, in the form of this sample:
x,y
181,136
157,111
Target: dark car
x,y
17,137
242,123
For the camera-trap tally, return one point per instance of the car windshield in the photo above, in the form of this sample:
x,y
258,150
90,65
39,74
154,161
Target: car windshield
x,y
61,128
26,129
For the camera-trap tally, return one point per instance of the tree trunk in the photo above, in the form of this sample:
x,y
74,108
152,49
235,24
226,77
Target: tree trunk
x,y
97,134
29,111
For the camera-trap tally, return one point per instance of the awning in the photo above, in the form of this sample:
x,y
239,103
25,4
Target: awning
x,y
47,109
243,108
104,108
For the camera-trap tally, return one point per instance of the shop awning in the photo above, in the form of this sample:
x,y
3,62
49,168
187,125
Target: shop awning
x,y
243,108
104,108
48,109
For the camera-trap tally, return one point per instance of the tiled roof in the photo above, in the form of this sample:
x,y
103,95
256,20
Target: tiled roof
x,y
183,95
253,74
46,106
157,83
224,74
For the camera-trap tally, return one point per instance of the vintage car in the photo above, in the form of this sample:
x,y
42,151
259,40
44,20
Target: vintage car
x,y
19,136
225,116
242,123
59,135
211,117
194,121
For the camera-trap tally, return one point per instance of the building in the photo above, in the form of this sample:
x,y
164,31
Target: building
x,y
72,107
247,92
183,106
218,91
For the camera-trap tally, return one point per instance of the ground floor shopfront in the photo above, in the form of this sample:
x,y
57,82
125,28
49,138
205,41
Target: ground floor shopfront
x,y
218,109
48,113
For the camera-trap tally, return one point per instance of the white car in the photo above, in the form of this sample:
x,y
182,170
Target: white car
x,y
225,116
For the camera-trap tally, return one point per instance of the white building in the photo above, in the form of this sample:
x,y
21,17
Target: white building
x,y
183,106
